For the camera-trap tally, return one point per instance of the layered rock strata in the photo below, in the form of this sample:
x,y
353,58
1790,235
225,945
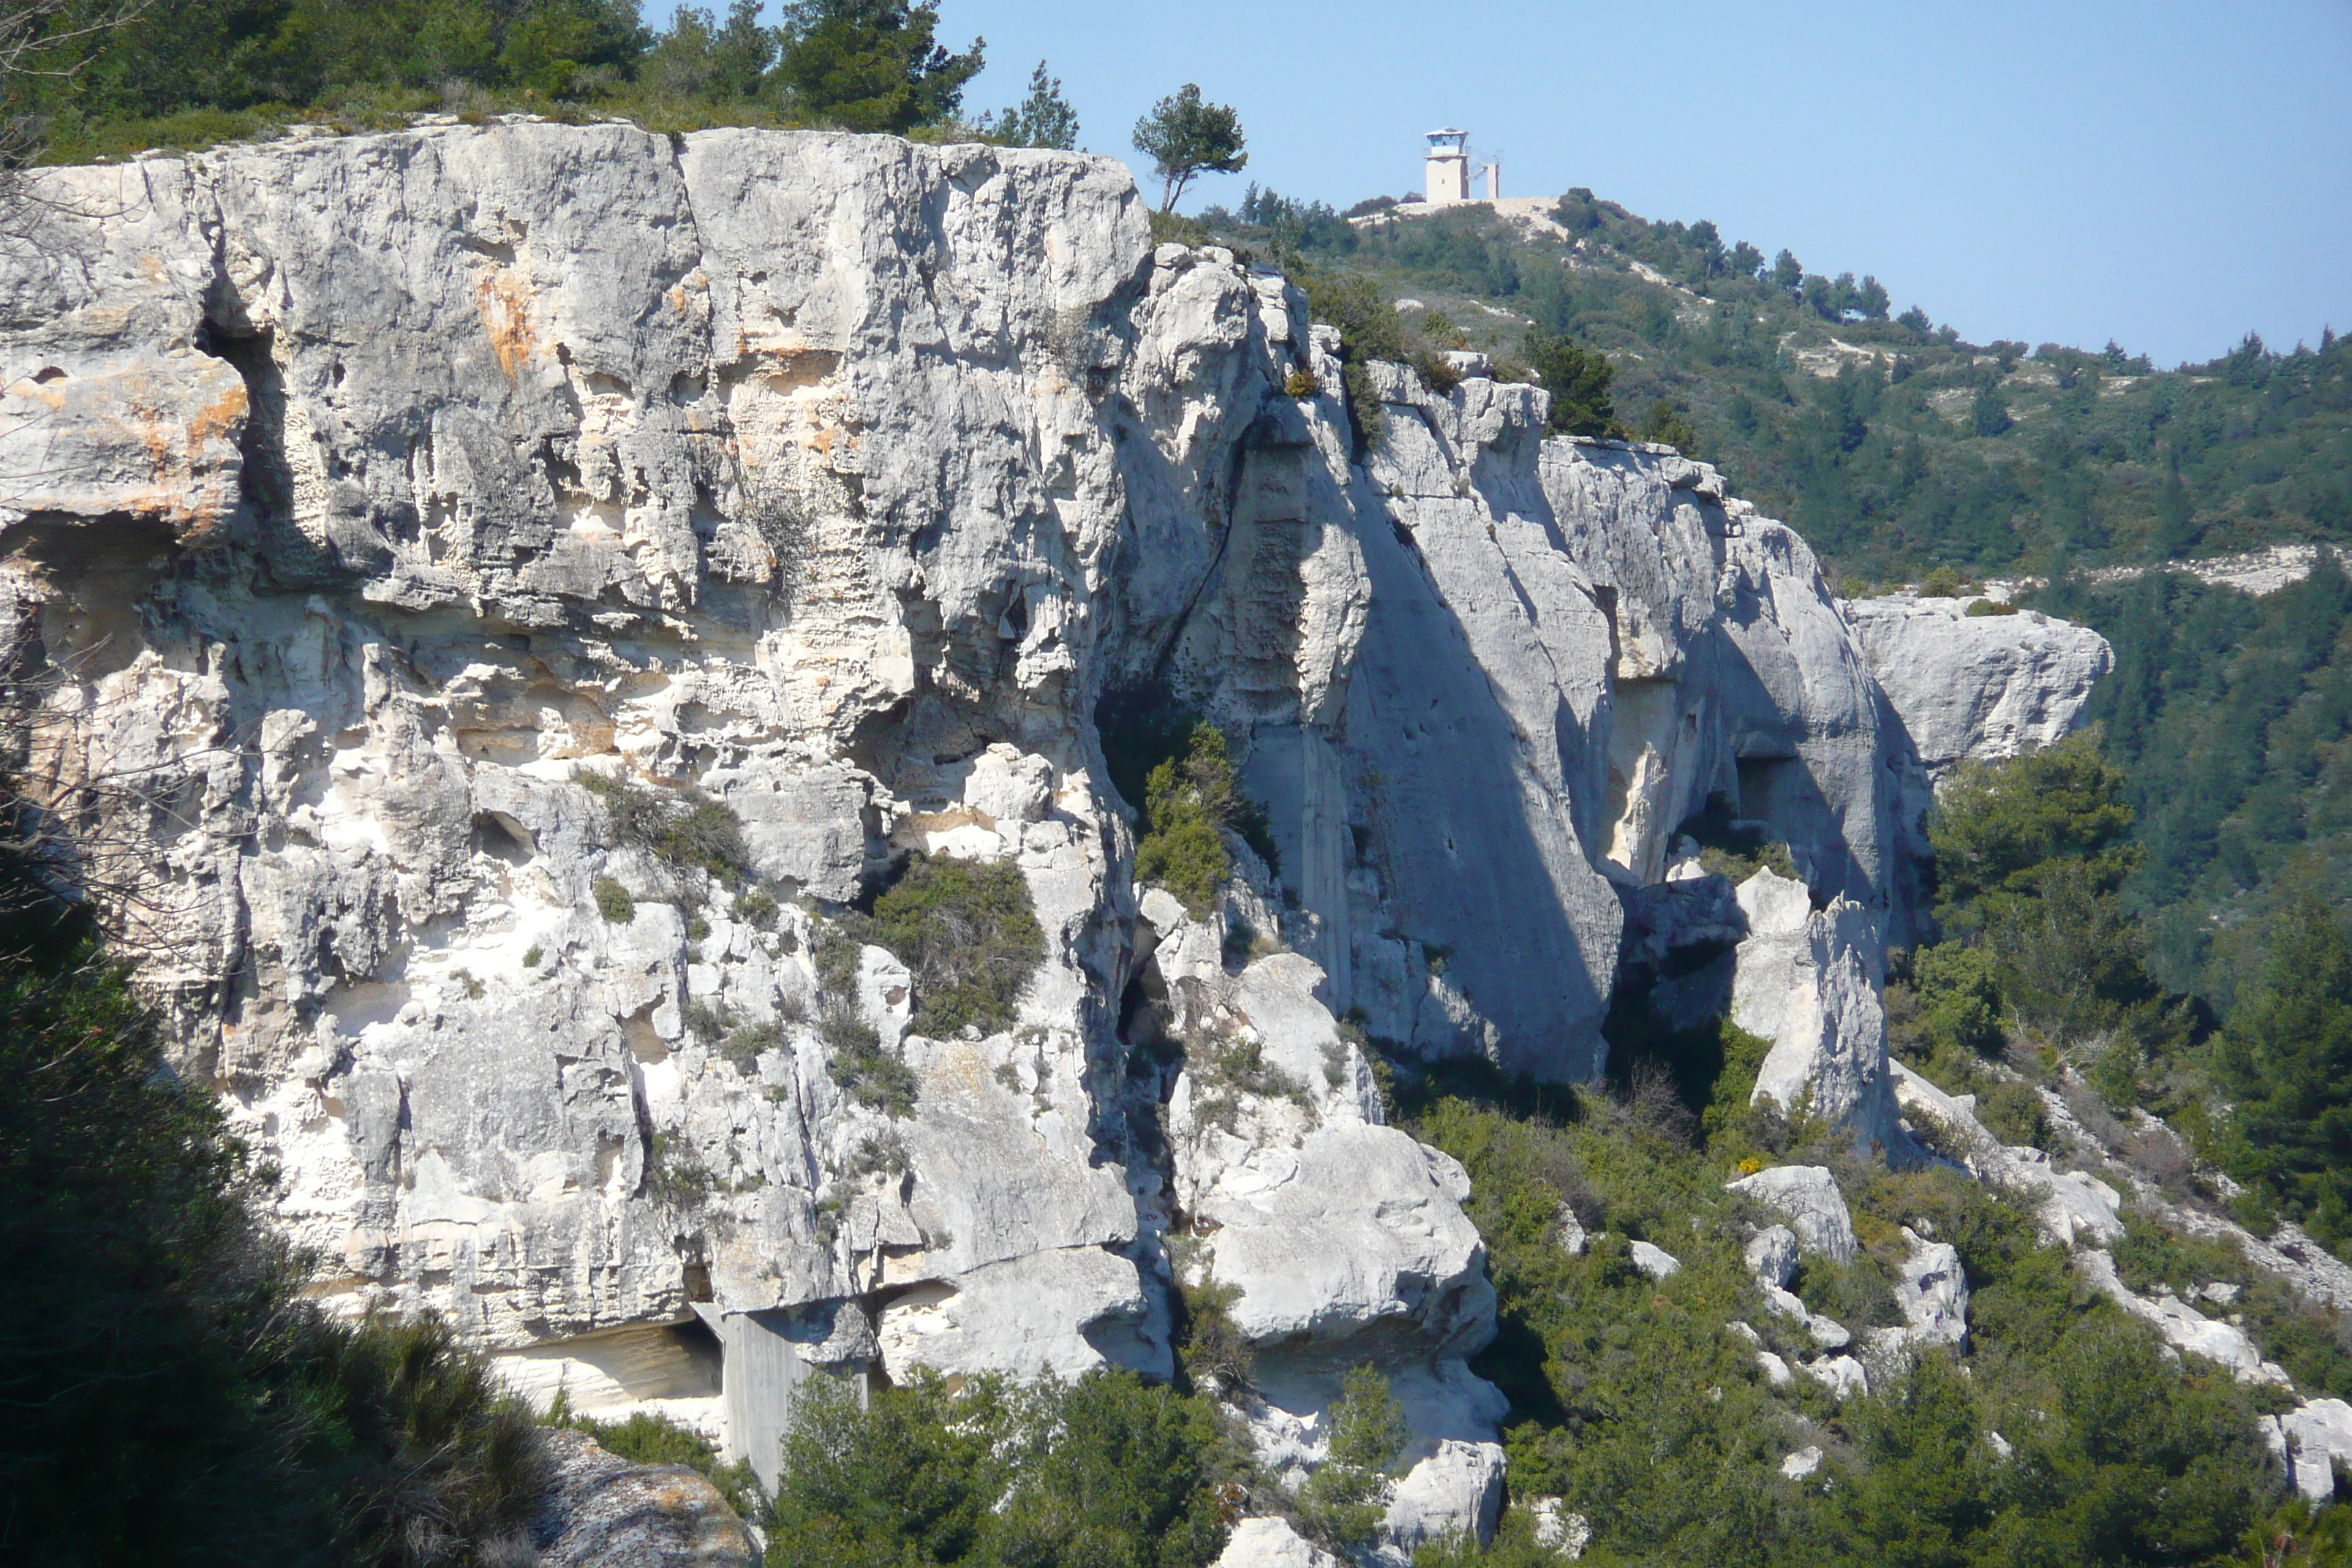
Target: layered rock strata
x,y
383,511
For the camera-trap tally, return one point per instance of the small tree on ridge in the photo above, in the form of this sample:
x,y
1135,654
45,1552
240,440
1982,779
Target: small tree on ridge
x,y
1184,137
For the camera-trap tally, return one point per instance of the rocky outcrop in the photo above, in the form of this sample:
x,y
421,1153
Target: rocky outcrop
x,y
1961,688
380,510
2071,1207
1810,980
600,1511
1977,687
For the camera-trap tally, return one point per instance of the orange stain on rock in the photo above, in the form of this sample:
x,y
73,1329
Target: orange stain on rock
x,y
504,302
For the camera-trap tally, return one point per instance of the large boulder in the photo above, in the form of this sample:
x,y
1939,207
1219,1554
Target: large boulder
x,y
600,1511
1807,1197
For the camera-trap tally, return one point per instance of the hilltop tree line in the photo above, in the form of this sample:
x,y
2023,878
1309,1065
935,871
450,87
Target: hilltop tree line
x,y
121,75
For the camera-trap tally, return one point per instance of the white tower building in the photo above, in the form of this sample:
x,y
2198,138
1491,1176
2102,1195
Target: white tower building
x,y
1449,167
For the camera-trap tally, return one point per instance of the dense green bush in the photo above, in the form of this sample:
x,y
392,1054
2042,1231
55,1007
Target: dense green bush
x,y
1342,1503
190,72
2286,1062
691,835
1104,1472
1190,804
967,934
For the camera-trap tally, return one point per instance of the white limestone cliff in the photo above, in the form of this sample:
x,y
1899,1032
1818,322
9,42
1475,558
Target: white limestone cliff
x,y
368,502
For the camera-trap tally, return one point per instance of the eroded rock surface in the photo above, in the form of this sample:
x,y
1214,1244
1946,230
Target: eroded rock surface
x,y
379,511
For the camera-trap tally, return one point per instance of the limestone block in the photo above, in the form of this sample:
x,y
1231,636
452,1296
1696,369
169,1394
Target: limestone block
x,y
1271,1543
600,1511
2182,1325
1062,1311
1809,981
2318,1434
1654,1261
2074,1207
1771,1255
1359,1226
1456,1491
1807,1197
1841,1375
1932,1290
1977,687
1558,1530
1802,1463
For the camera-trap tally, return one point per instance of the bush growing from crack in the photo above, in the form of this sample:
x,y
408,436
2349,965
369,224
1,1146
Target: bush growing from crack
x,y
1188,804
746,1043
872,1076
969,936
1210,1346
691,833
675,1174
1343,1503
613,902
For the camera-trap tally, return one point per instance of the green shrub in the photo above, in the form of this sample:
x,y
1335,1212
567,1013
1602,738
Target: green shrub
x,y
613,902
1578,380
756,908
968,934
1368,330
1175,228
1959,1001
692,835
173,1395
866,1073
1301,383
1943,583
1991,607
674,1173
746,1043
1342,1502
1214,1353
1188,806
1732,847
2285,1058
1106,1471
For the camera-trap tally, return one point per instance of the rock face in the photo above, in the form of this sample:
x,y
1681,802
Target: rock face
x,y
378,512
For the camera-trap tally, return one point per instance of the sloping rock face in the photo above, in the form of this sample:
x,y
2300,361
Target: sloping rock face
x,y
376,507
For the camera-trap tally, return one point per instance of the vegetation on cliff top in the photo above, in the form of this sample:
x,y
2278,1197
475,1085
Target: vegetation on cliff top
x,y
191,73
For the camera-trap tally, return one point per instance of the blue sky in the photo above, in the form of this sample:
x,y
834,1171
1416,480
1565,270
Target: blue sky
x,y
2170,176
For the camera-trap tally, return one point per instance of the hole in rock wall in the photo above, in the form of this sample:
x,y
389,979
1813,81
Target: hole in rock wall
x,y
1765,785
501,838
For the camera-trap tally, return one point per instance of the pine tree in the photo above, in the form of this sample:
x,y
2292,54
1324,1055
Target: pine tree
x,y
2285,1059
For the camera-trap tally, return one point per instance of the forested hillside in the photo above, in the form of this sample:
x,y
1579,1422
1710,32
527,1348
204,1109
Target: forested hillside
x,y
1891,444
